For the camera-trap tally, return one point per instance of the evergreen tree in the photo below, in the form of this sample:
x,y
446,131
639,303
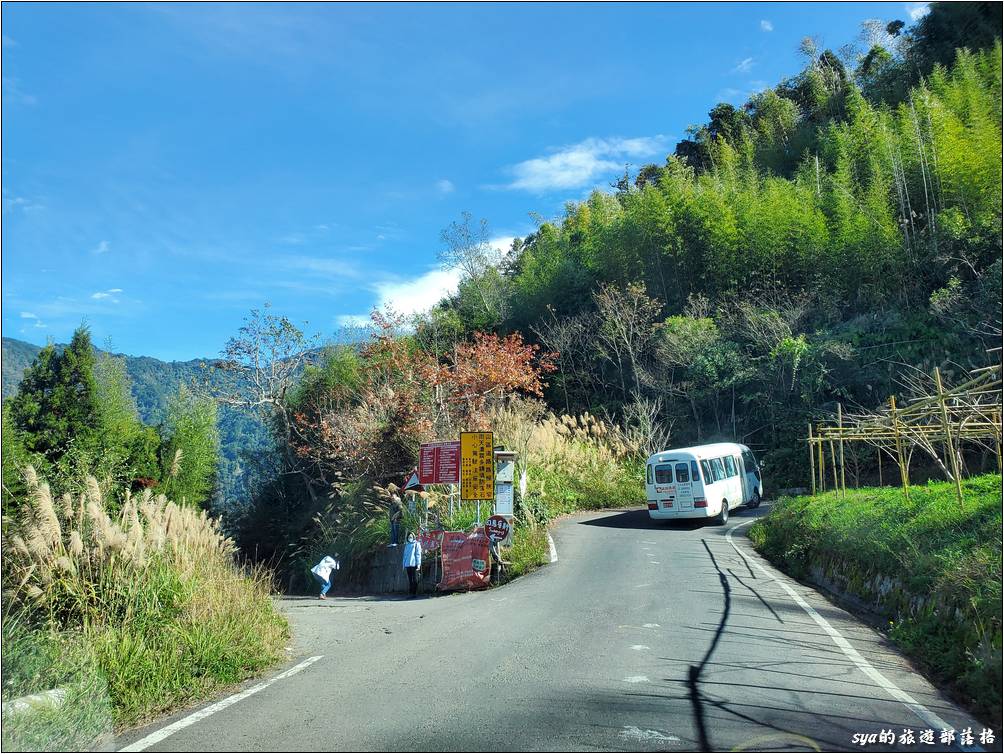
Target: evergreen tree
x,y
56,403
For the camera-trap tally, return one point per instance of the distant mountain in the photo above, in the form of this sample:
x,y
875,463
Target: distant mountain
x,y
243,438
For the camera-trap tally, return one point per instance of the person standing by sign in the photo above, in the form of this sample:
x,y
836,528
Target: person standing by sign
x,y
322,573
411,562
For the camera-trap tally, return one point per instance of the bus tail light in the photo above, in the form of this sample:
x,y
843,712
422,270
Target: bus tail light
x,y
700,502
652,505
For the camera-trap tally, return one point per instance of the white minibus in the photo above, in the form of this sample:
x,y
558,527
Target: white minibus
x,y
705,481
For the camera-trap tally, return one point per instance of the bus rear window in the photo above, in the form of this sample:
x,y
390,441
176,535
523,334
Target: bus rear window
x,y
664,473
682,473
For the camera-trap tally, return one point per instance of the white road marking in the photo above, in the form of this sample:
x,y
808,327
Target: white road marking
x,y
637,679
637,734
929,718
654,562
639,647
554,551
650,625
202,714
641,585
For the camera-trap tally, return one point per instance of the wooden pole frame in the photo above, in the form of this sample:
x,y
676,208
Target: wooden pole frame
x,y
947,428
840,429
903,473
812,461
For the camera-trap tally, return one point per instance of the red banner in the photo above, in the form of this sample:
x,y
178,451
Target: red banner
x,y
465,560
430,539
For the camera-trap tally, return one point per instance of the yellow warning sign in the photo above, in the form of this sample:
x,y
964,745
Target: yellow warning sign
x,y
477,466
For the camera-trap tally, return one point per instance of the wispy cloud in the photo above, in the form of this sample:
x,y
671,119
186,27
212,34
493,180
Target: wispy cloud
x,y
917,11
445,186
766,25
14,94
28,315
101,248
22,203
110,294
581,164
353,320
744,66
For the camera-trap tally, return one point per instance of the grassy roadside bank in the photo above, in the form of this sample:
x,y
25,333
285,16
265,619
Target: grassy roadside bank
x,y
933,569
133,609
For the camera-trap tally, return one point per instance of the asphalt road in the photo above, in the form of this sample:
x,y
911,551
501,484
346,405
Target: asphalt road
x,y
642,636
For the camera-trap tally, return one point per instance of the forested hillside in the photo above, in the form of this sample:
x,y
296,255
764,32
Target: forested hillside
x,y
836,231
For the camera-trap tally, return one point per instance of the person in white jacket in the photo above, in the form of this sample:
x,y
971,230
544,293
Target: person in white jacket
x,y
322,572
411,562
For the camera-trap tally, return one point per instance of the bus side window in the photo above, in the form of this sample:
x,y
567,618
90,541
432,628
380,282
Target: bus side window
x,y
718,469
751,465
648,474
730,467
706,468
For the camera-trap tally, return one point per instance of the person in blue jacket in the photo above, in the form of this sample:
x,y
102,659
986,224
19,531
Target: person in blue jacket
x,y
411,562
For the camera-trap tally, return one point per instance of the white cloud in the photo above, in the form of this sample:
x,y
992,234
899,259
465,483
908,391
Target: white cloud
x,y
419,295
28,315
501,244
353,320
101,248
579,165
743,66
109,294
445,186
766,26
918,10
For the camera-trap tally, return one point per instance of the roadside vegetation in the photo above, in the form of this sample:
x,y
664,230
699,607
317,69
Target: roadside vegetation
x,y
127,602
932,568
132,609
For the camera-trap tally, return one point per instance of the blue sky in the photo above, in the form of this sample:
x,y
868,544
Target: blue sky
x,y
168,167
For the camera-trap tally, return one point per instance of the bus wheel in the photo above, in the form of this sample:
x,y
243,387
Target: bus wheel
x,y
755,500
723,517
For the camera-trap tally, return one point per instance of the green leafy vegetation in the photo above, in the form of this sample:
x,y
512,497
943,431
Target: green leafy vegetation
x,y
133,609
932,567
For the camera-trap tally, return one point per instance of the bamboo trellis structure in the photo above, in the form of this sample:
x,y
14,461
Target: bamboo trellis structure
x,y
938,420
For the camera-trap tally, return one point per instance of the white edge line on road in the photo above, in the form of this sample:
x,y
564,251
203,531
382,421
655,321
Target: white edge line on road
x,y
554,551
848,649
202,714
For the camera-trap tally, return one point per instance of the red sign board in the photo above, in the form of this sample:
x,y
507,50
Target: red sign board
x,y
497,528
439,462
465,560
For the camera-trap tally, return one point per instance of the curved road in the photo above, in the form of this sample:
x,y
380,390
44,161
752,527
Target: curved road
x,y
642,636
